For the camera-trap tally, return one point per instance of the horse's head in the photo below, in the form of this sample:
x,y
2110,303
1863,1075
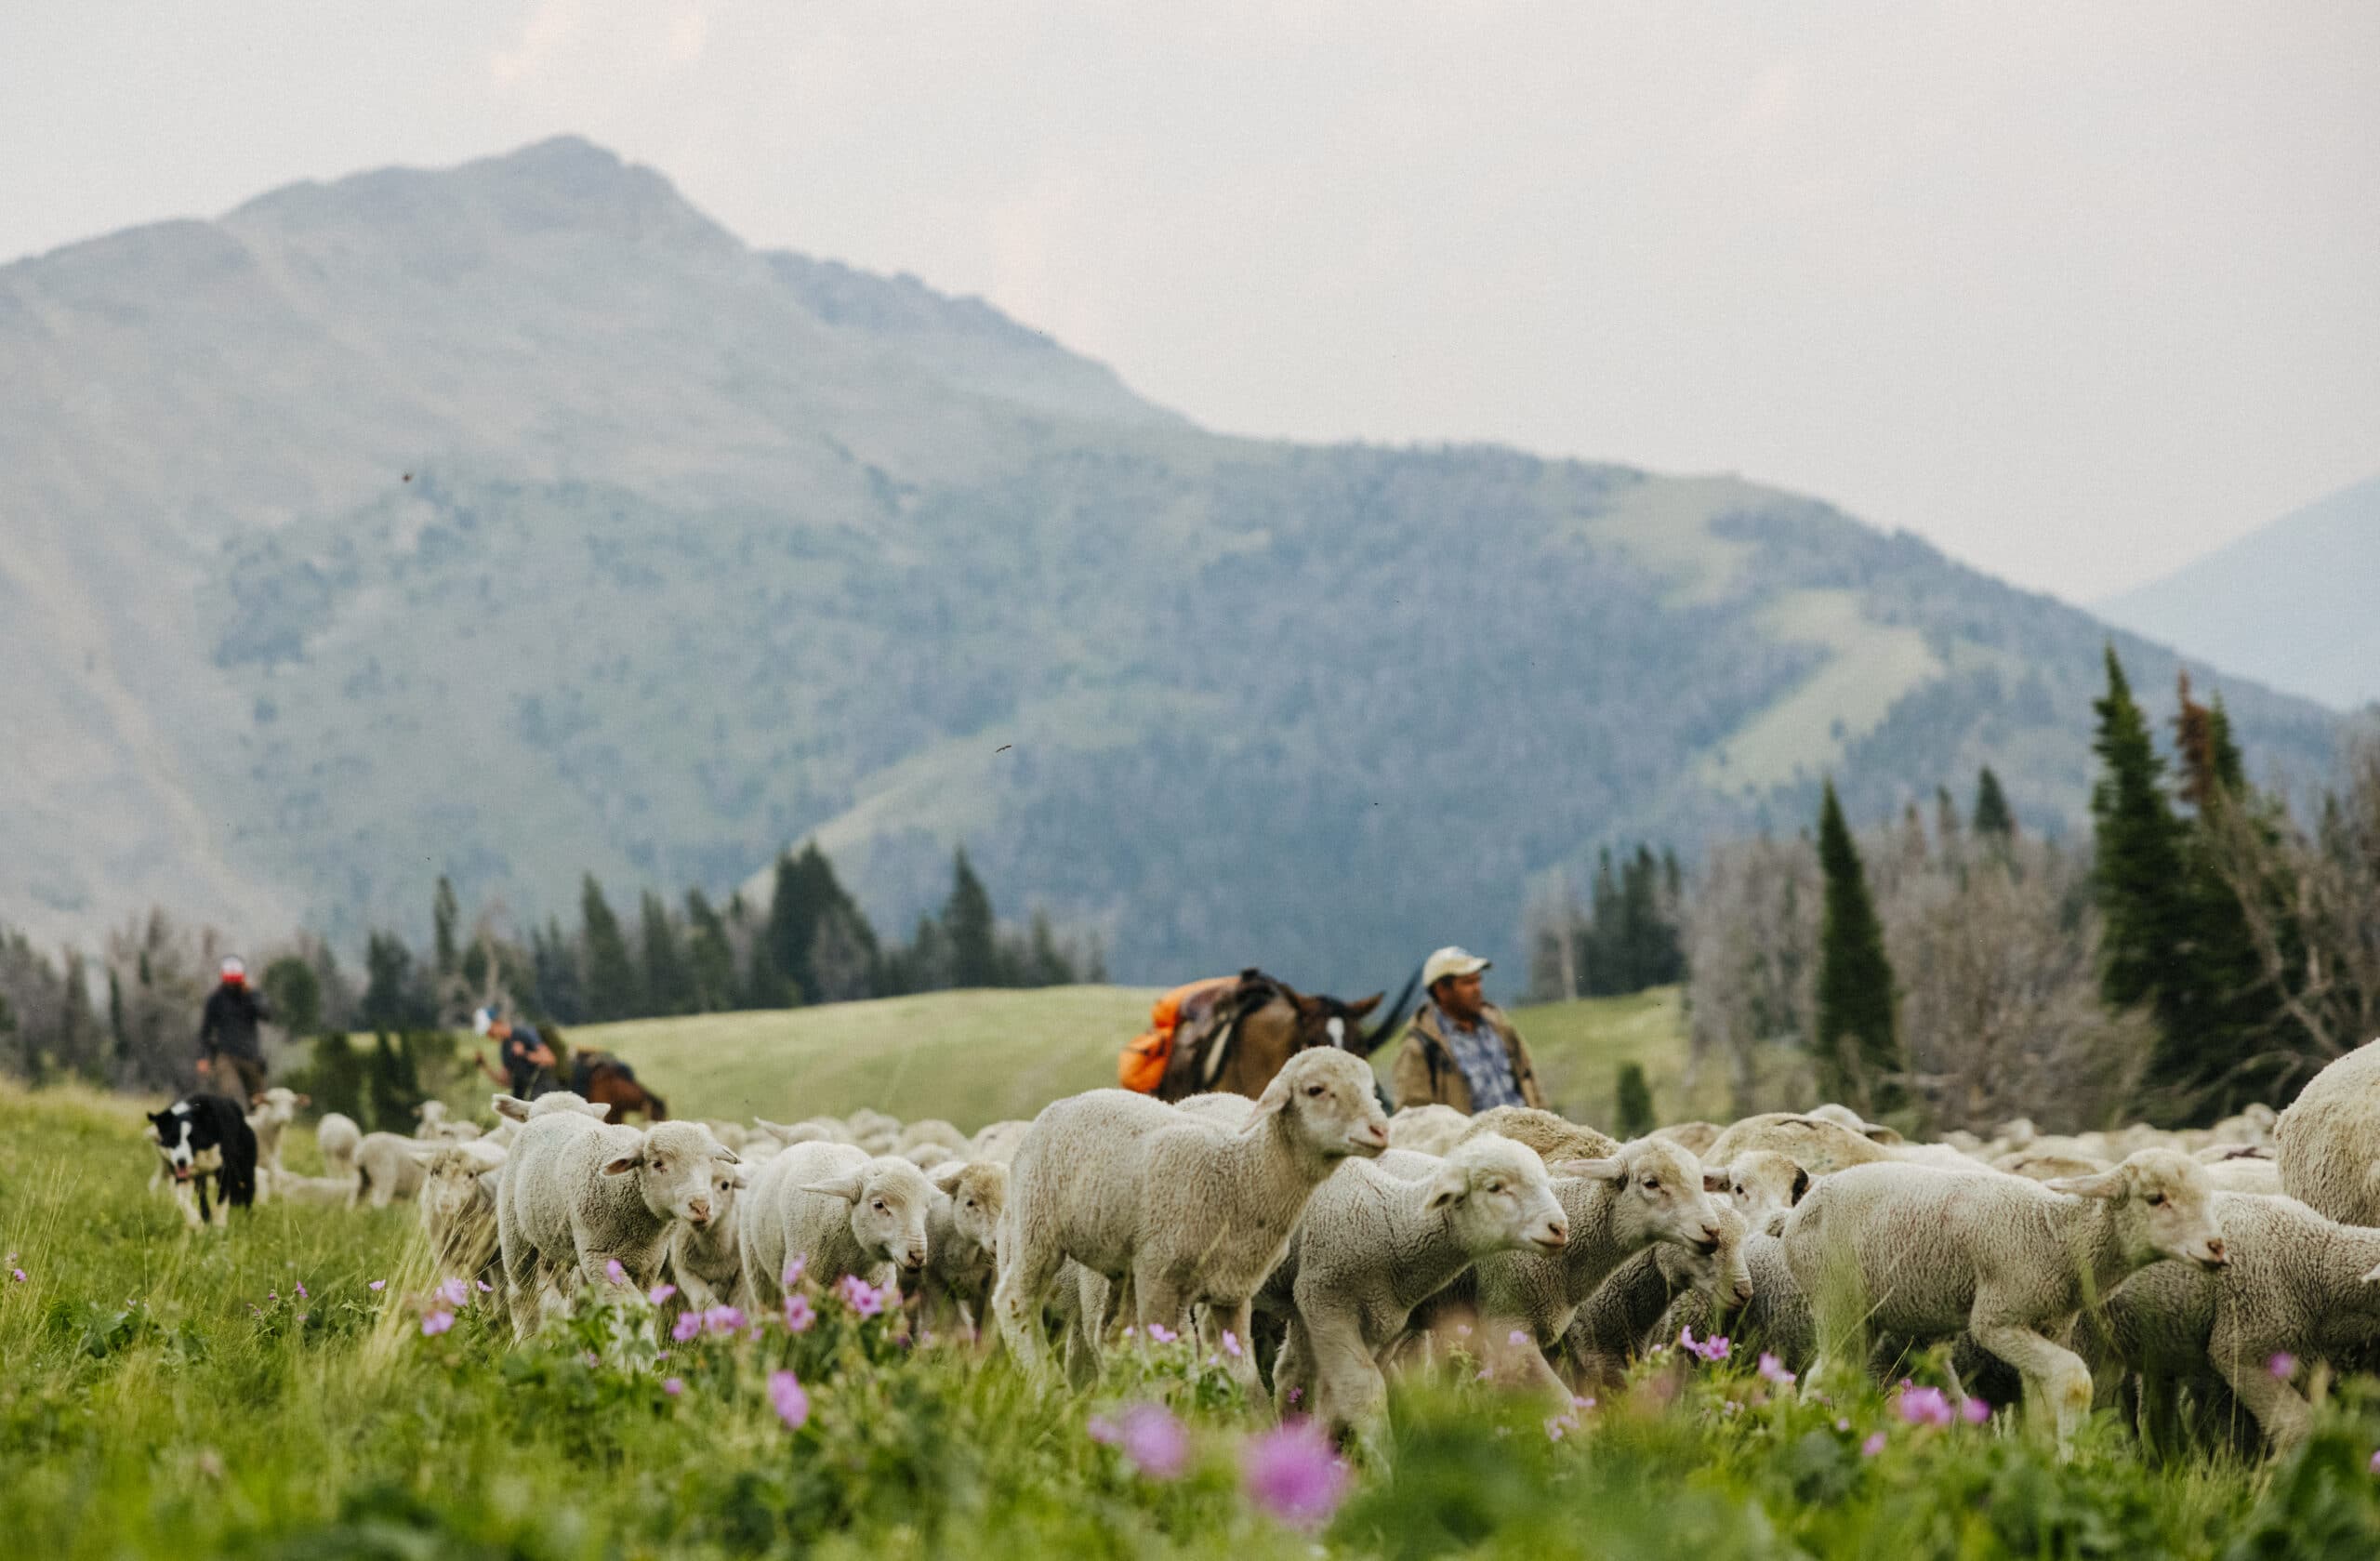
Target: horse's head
x,y
1316,1019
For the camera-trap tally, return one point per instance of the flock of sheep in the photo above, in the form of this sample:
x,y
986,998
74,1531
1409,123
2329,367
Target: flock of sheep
x,y
2193,1274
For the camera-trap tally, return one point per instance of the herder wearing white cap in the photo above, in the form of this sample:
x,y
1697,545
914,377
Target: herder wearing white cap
x,y
226,1033
1461,1051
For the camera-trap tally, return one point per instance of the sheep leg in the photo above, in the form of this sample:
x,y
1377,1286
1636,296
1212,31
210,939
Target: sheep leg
x,y
1294,1371
2278,1407
1214,1320
520,1262
2159,1413
1349,1391
2057,1385
1016,1302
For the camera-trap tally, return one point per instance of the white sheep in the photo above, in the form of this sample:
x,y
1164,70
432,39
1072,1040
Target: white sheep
x,y
1924,1255
273,1112
997,1141
1816,1145
1553,1138
336,1136
931,1153
1651,1190
705,1262
1371,1247
458,1204
322,1190
955,1290
2297,1284
840,1210
575,1195
2329,1140
1763,1183
1695,1138
1649,1297
926,1129
388,1167
1192,1213
1429,1129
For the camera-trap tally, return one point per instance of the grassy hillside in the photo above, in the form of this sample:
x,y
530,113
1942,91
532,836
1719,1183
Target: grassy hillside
x,y
270,1392
975,1057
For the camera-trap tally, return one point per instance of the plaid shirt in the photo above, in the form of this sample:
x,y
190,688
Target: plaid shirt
x,y
1479,1052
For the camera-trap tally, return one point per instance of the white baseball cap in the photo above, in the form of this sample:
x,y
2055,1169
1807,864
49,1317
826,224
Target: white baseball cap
x,y
1450,961
231,968
481,1023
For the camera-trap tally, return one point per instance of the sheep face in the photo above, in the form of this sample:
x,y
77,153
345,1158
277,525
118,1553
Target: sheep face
x,y
672,1167
1327,1095
1661,1192
1724,1275
2164,1206
1761,1183
978,1191
1498,1196
890,1200
279,1103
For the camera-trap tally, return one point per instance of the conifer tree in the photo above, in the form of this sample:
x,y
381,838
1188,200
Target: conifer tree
x,y
969,931
610,975
1633,1101
669,986
710,956
444,911
2137,870
1992,818
1858,1041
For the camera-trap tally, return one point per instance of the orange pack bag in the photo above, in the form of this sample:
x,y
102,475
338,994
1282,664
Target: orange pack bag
x,y
1141,1066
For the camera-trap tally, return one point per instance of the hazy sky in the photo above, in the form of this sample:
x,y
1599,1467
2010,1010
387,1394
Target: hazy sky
x,y
2075,290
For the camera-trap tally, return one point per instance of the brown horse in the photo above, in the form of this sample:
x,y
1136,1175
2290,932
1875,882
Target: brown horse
x,y
1240,1042
606,1080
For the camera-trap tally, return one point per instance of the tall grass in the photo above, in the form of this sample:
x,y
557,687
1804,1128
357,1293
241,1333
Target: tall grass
x,y
165,1393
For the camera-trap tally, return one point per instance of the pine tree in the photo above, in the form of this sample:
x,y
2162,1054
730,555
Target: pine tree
x,y
2137,870
392,995
296,993
443,913
609,982
1633,1101
1992,819
968,928
1858,1041
710,956
668,985
554,975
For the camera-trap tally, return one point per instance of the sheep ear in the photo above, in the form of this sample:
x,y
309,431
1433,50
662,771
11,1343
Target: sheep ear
x,y
848,1188
1274,1099
2104,1184
1776,1226
1594,1170
1714,1179
727,1155
624,1164
776,1130
516,1110
1800,1184
1450,1187
257,1099
305,1100
945,1179
2373,1277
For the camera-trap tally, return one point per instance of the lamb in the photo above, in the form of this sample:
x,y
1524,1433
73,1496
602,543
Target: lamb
x,y
516,1111
1761,1183
1554,1138
2329,1140
336,1136
1651,1296
1188,1210
1430,1130
322,1190
2245,1173
873,1131
839,1209
705,1262
810,1130
997,1141
1695,1138
1816,1145
1651,1190
2297,1284
1844,1116
927,1130
273,1111
932,1153
2050,1165
575,1195
1926,1254
388,1167
458,1204
961,1230
1371,1247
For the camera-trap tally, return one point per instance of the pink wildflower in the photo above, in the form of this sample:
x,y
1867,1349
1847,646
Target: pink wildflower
x,y
2375,1462
2282,1365
454,1292
673,1385
1773,1370
1975,1410
798,1313
378,1284
1518,1339
793,1269
686,1326
435,1323
485,1288
1149,1436
792,1404
1926,1406
660,1293
1872,1445
723,1319
859,1295
18,1274
1161,1334
1231,1344
613,1272
1294,1473
301,1291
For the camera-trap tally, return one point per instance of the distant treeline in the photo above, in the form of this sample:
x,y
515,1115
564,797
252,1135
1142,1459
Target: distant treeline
x,y
810,944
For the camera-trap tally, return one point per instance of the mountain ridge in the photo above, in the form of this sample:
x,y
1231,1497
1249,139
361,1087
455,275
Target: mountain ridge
x,y
517,520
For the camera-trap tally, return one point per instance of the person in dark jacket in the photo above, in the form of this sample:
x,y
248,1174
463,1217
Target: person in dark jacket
x,y
226,1031
528,1069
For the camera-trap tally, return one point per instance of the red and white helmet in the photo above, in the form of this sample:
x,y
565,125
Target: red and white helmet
x,y
234,970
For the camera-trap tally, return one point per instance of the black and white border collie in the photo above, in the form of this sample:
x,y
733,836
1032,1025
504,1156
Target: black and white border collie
x,y
200,1136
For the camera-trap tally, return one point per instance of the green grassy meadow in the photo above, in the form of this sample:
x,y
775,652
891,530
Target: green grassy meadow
x,y
979,1056
250,1393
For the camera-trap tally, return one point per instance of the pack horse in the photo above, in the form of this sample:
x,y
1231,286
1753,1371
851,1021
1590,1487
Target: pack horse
x,y
1231,1034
